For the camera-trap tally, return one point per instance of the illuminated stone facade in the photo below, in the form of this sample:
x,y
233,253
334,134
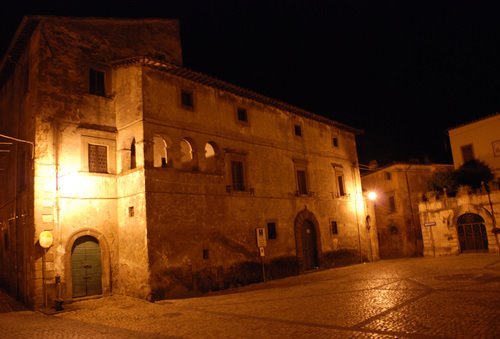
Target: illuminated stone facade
x,y
167,173
399,188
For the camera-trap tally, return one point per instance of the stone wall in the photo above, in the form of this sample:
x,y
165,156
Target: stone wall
x,y
439,216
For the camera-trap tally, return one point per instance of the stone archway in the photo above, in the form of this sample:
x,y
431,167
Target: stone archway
x,y
472,234
89,236
307,240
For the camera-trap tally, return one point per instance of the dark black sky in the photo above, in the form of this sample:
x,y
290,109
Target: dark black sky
x,y
403,71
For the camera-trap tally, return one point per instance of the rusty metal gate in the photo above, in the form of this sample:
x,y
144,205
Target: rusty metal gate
x,y
472,234
86,267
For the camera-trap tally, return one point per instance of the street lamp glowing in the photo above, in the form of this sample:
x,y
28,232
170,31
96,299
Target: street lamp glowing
x,y
45,239
372,195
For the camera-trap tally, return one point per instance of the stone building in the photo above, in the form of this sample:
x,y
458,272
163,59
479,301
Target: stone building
x,y
478,139
462,224
399,188
469,221
124,172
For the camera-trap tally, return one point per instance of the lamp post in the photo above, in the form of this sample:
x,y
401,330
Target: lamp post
x,y
372,196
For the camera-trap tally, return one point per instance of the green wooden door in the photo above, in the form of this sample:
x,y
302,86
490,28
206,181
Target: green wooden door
x,y
86,267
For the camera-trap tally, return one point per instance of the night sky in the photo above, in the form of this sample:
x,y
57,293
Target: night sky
x,y
402,71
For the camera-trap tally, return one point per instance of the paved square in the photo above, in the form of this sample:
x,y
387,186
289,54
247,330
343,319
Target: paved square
x,y
445,297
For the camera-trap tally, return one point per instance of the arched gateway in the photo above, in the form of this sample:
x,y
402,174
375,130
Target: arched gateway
x,y
87,264
472,234
307,240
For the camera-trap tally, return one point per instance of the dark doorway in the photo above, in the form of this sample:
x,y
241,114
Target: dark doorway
x,y
309,249
86,267
472,233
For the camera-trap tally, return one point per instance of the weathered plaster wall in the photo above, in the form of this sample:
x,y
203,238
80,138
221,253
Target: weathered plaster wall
x,y
67,117
156,249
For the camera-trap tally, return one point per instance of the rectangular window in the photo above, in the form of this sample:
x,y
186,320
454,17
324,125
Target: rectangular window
x,y
297,130
187,99
237,175
301,182
242,115
467,153
388,175
131,211
205,254
335,229
97,82
98,158
341,187
335,142
271,230
392,204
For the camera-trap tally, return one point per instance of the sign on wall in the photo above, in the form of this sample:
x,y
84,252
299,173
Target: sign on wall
x,y
260,233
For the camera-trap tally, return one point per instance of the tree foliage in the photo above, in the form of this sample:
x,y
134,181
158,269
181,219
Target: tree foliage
x,y
472,173
443,180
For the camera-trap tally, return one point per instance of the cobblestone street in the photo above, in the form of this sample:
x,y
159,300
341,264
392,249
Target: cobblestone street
x,y
445,297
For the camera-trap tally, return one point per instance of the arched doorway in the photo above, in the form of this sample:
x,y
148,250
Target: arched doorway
x,y
472,234
307,241
309,249
86,271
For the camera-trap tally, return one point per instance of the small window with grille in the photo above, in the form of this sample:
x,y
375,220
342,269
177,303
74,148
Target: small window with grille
x,y
98,158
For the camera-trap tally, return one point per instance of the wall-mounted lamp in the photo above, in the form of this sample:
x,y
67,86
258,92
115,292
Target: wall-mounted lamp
x,y
372,196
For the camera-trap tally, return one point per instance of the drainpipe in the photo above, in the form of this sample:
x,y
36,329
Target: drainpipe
x,y
494,229
411,208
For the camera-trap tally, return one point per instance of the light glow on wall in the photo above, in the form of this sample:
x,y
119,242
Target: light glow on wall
x,y
372,195
82,185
